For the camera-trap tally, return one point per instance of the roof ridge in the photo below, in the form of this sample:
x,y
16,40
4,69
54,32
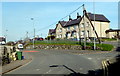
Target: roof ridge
x,y
95,13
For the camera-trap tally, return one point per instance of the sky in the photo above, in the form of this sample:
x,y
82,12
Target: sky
x,y
16,16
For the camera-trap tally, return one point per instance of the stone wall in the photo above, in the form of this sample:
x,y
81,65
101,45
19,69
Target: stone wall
x,y
71,47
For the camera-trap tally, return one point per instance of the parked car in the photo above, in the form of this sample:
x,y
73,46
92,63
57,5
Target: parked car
x,y
39,39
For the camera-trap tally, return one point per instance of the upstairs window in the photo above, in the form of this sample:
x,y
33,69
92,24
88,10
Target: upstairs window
x,y
60,30
68,27
74,27
87,24
82,25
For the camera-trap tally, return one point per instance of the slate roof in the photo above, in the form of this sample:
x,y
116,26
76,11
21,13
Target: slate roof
x,y
98,17
71,22
112,30
51,31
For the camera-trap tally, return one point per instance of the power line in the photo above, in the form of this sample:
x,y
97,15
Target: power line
x,y
60,19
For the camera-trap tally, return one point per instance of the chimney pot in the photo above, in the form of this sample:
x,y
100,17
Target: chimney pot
x,y
78,16
70,18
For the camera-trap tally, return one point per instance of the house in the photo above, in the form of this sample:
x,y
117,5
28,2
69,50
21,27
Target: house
x,y
2,40
51,32
101,24
113,33
89,26
68,29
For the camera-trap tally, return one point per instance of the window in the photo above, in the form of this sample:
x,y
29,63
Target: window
x,y
82,32
74,33
68,27
60,30
82,25
57,36
74,26
87,23
60,36
88,33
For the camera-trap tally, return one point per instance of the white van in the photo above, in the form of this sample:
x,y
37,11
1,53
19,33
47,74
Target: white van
x,y
20,46
2,43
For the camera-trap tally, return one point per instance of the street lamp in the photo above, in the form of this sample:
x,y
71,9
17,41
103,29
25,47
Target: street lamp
x,y
33,33
94,25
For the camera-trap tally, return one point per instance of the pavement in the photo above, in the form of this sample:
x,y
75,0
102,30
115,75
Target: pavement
x,y
13,65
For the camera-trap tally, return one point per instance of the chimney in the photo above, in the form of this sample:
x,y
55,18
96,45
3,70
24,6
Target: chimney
x,y
78,16
70,18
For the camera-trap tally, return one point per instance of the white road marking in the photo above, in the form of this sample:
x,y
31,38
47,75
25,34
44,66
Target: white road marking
x,y
89,58
48,71
37,69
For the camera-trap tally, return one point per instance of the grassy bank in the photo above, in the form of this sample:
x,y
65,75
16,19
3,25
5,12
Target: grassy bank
x,y
60,42
108,39
104,47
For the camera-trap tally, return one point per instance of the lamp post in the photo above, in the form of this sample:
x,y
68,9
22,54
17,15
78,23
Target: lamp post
x,y
33,33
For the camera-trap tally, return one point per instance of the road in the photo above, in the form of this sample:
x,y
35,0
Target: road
x,y
45,58
81,61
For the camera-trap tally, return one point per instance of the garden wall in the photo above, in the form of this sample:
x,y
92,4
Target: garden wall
x,y
71,47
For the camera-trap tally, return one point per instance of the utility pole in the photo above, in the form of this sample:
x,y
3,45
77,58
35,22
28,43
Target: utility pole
x,y
33,33
84,26
94,25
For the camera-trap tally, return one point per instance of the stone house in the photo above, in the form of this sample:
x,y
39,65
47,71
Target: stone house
x,y
83,26
113,33
51,32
